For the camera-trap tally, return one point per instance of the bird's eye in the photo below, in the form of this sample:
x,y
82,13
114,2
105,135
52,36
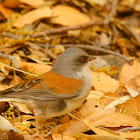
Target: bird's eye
x,y
83,59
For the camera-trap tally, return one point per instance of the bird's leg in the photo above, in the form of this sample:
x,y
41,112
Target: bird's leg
x,y
37,134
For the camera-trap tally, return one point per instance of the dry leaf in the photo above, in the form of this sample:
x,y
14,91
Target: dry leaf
x,y
73,126
95,94
65,137
33,3
118,101
134,83
30,17
23,108
15,81
129,71
103,82
10,130
102,131
58,49
109,118
131,107
98,137
38,68
68,15
11,3
99,2
5,11
132,92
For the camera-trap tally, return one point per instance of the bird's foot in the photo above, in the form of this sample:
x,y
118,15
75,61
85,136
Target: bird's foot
x,y
37,136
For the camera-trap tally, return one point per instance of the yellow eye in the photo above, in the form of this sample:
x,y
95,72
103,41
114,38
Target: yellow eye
x,y
83,59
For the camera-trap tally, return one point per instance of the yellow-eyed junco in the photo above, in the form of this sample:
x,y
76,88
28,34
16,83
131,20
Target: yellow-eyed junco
x,y
58,91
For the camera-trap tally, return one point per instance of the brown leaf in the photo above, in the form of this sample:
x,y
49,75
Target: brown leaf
x,y
11,3
33,3
32,16
99,137
16,80
129,72
5,11
65,137
68,15
134,83
103,82
38,68
109,118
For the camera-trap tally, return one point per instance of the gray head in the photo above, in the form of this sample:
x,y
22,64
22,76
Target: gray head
x,y
72,60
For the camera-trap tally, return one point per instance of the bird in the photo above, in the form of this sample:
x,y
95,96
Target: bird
x,y
57,92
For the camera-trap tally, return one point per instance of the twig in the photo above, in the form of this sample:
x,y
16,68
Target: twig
x,y
12,58
128,129
64,29
112,13
132,33
94,48
10,35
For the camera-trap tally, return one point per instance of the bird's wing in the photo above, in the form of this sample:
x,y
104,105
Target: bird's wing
x,y
49,86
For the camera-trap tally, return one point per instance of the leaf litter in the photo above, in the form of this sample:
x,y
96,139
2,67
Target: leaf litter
x,y
35,33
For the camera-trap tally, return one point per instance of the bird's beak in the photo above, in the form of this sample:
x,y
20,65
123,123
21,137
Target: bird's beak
x,y
90,58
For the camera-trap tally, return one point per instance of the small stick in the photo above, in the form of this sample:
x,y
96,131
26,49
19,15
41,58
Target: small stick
x,y
18,70
65,29
94,48
128,129
112,13
12,58
132,33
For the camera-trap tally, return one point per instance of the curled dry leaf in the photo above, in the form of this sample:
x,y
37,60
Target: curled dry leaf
x,y
30,17
11,132
118,101
58,49
103,82
107,132
134,83
109,118
68,15
129,72
33,3
130,107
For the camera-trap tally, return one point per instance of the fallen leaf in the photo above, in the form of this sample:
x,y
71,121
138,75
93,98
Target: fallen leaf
x,y
68,15
132,92
109,118
134,83
107,132
38,68
5,11
32,16
118,101
23,108
99,2
129,72
98,137
15,81
65,137
11,3
33,3
10,130
95,94
103,82
58,49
